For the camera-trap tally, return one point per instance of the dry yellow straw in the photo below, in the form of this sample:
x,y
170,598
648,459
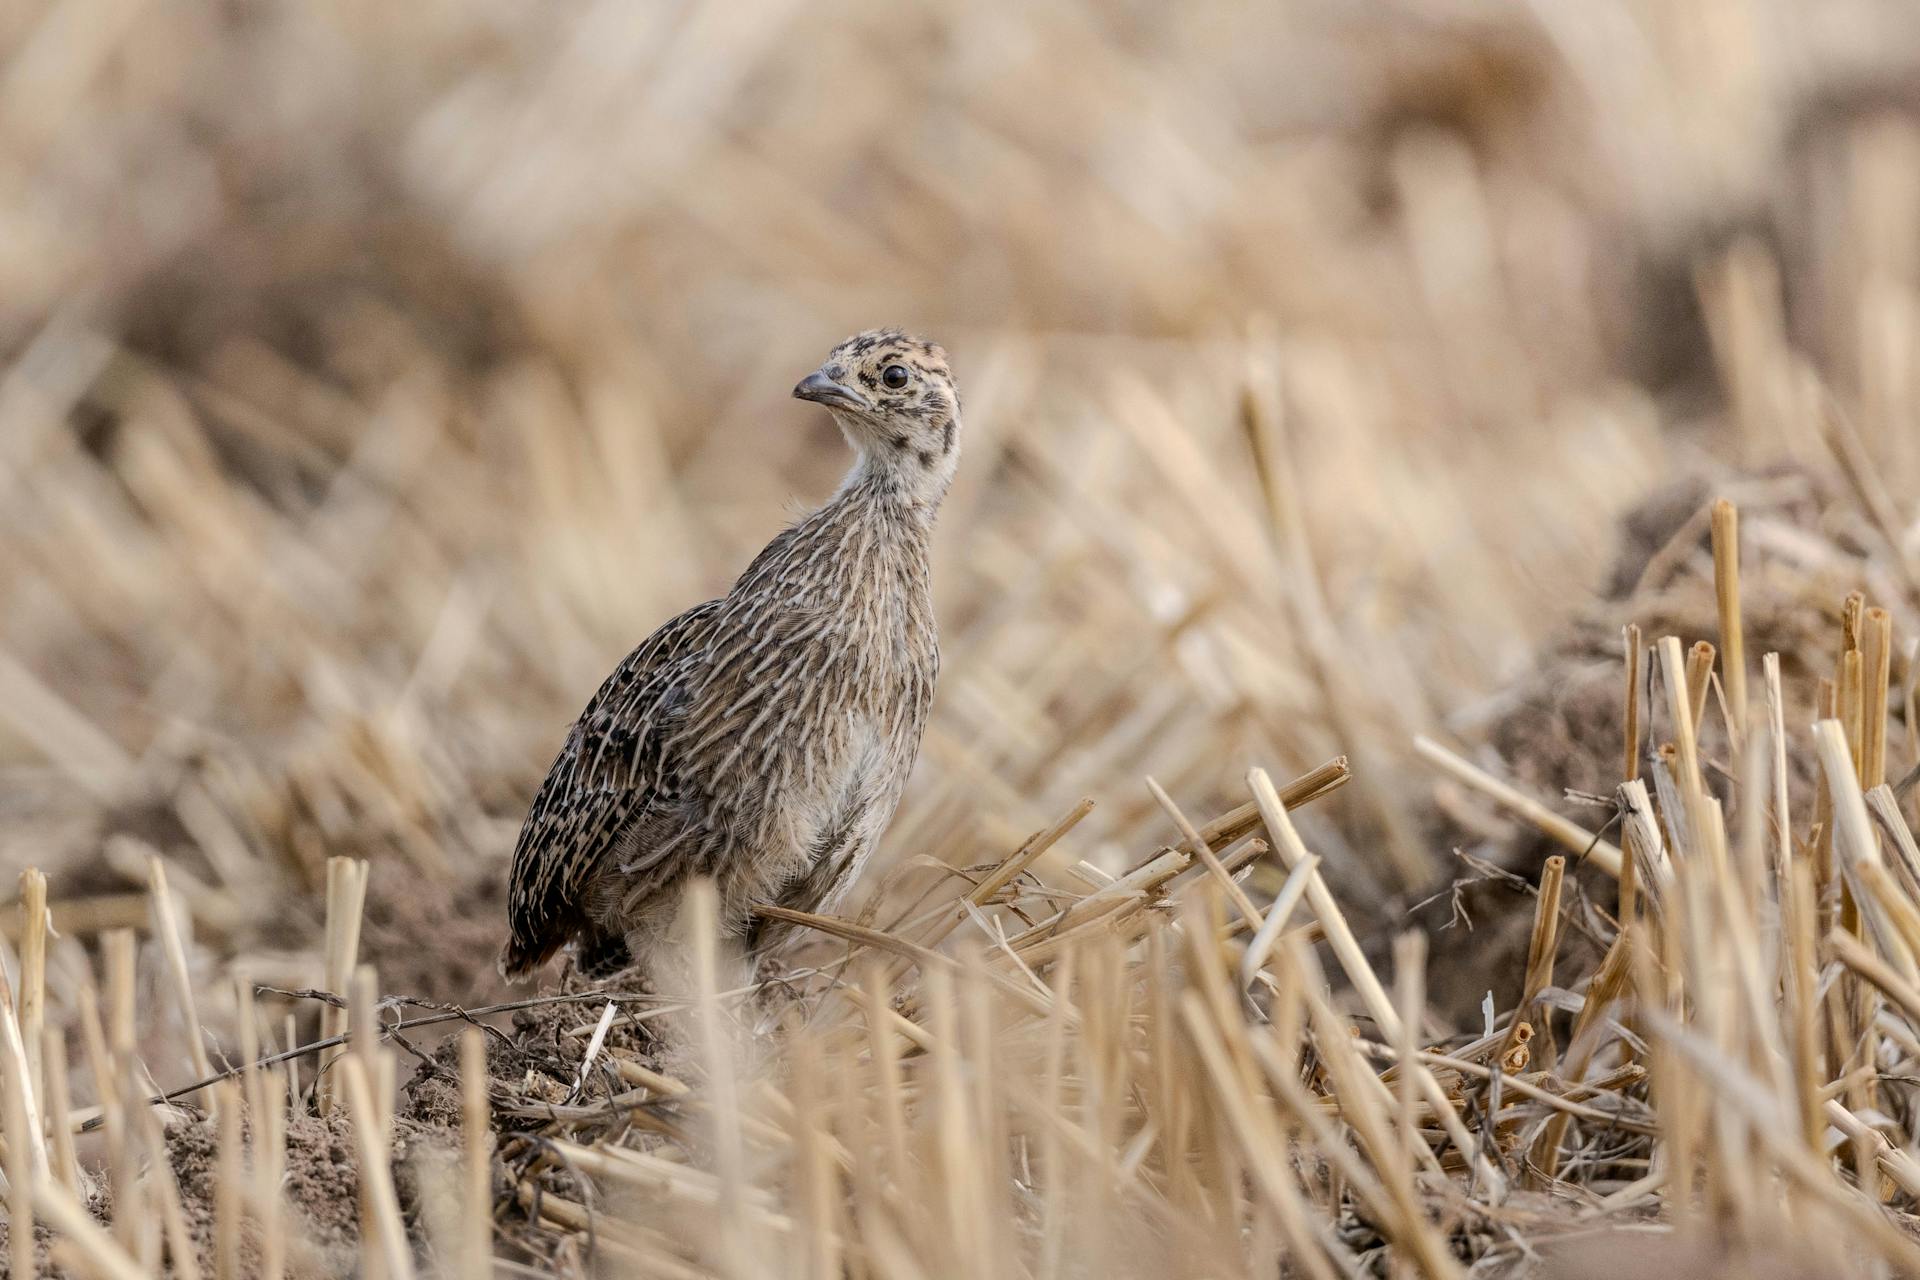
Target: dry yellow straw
x,y
1635,649
17,1121
1726,588
477,1132
346,900
33,974
1287,843
1543,942
387,1227
92,1248
1876,649
166,927
1699,680
1569,834
1197,843
58,1109
228,1181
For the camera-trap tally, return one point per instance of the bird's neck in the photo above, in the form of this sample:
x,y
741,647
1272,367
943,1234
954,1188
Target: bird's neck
x,y
876,534
911,484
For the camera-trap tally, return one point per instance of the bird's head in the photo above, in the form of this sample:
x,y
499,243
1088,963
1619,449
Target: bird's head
x,y
894,399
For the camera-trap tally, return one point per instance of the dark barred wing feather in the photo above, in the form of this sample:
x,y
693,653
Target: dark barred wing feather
x,y
602,783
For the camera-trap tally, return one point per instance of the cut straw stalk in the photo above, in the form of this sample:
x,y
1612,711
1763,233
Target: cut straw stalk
x,y
879,940
1530,1086
165,1191
1886,811
1699,681
1895,901
1261,1142
1287,843
26,1138
1037,845
476,1206
346,901
33,974
266,1102
229,1181
1635,648
671,1178
1676,673
819,1189
18,1124
1627,882
1410,998
1777,738
106,1085
1877,660
1122,899
1896,1164
93,913
1365,1104
95,1250
1119,899
720,1056
1854,954
59,1109
1911,714
1278,913
1566,833
386,1226
269,1120
1740,1093
372,1117
643,1252
1851,706
1726,589
246,1017
1800,909
1642,838
1197,843
664,1086
1230,826
1856,837
1541,946
166,927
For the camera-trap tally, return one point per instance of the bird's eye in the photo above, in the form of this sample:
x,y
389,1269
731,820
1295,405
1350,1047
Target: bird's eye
x,y
895,376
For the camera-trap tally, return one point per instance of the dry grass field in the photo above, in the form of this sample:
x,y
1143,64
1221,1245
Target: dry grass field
x,y
1305,874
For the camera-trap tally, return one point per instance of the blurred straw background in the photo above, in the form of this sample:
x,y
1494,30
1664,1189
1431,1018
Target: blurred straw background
x,y
375,376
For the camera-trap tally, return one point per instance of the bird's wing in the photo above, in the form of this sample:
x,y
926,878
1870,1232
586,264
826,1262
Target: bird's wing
x,y
600,784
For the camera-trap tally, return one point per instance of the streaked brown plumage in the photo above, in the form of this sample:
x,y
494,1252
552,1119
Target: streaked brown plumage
x,y
763,738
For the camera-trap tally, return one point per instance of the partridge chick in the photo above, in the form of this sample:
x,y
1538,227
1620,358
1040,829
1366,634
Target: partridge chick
x,y
761,739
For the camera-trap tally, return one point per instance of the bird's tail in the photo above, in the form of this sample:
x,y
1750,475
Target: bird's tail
x,y
598,955
518,960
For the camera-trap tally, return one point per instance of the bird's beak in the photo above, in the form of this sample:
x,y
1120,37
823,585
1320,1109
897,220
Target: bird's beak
x,y
821,389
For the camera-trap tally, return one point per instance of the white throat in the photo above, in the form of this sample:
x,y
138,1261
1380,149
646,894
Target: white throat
x,y
918,472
